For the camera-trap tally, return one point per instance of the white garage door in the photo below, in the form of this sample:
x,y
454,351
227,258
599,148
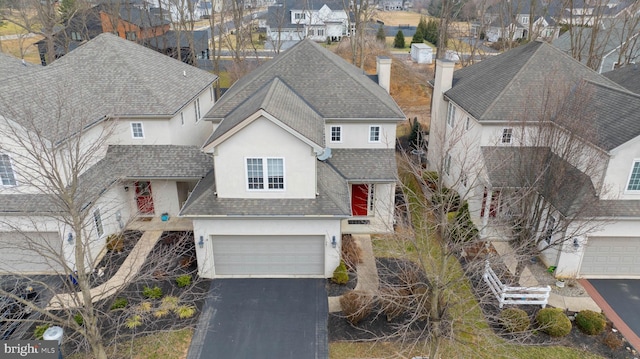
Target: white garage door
x,y
268,255
617,257
30,252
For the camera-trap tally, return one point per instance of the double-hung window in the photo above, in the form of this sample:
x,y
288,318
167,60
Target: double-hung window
x,y
7,177
336,133
634,178
136,130
196,107
260,168
374,133
97,220
507,135
451,114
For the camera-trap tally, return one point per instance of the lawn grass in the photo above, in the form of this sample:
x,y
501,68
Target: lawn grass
x,y
22,48
161,345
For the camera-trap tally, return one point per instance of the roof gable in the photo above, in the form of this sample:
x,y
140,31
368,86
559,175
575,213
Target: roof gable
x,y
332,87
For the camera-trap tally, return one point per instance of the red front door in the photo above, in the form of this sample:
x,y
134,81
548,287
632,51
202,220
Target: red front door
x,y
495,203
144,198
359,199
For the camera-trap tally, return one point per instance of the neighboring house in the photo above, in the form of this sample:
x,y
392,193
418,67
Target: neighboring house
x,y
617,43
484,118
303,152
513,20
627,77
131,21
587,13
151,105
293,20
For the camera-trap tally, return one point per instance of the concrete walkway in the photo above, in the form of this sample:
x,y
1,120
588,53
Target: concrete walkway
x,y
367,271
527,279
124,275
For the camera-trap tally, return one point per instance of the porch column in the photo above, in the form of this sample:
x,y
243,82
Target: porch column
x,y
486,212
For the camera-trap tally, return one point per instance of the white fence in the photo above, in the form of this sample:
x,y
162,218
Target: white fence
x,y
514,295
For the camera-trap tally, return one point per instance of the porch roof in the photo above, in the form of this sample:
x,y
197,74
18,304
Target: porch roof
x,y
365,164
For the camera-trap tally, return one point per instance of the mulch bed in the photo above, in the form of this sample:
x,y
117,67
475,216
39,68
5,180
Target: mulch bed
x,y
376,325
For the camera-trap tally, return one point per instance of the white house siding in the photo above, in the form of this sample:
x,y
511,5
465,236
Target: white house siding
x,y
263,138
383,216
356,135
209,228
570,259
619,170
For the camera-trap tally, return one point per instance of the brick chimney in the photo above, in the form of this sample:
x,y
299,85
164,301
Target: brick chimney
x,y
383,69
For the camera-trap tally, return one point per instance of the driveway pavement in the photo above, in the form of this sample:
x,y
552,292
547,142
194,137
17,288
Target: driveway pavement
x,y
263,318
623,297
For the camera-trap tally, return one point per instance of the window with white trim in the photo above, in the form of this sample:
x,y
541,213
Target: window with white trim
x,y
634,177
374,133
257,171
320,32
7,176
451,114
507,135
336,133
97,220
447,164
299,16
136,130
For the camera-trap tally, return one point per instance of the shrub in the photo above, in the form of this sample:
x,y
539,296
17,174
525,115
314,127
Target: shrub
x,y
169,302
380,35
394,302
161,313
554,322
133,321
356,305
340,275
398,42
39,331
590,322
351,252
514,320
431,179
152,293
144,307
115,243
183,280
613,341
461,227
185,311
78,319
119,303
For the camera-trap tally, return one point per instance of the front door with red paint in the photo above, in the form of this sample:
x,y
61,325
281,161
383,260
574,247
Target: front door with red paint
x,y
494,207
359,199
144,198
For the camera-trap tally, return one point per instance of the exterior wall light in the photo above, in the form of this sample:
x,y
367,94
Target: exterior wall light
x,y
70,238
201,242
333,242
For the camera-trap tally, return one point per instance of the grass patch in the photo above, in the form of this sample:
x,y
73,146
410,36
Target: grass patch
x,y
163,345
22,48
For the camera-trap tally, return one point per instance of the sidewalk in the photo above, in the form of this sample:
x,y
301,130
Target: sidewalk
x,y
527,279
368,279
125,273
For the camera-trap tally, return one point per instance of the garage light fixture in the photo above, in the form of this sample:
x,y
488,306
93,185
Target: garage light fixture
x,y
70,238
333,242
576,244
201,242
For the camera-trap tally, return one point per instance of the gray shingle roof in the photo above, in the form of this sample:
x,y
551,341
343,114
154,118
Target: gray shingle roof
x,y
568,189
501,89
332,200
365,164
277,99
627,76
13,66
121,162
615,208
497,88
107,76
332,87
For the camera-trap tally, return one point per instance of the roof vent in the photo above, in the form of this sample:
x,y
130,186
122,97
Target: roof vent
x,y
184,73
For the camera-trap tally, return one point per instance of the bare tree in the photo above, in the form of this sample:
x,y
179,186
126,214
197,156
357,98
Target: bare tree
x,y
363,12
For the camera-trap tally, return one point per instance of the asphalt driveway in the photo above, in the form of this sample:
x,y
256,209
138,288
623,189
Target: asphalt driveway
x,y
263,318
623,296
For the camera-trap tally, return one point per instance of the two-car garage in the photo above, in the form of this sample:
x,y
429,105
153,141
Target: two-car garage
x,y
611,257
268,255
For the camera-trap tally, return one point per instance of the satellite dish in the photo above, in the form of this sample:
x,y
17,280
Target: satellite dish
x,y
325,154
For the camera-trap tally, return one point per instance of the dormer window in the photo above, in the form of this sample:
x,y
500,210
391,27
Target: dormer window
x,y
299,16
374,133
336,133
